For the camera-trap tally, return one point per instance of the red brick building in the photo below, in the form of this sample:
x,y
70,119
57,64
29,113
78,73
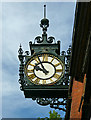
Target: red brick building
x,y
79,95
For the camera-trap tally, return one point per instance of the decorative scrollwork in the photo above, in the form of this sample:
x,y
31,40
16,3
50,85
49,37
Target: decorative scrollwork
x,y
50,39
66,77
63,53
69,50
56,103
43,101
39,39
27,52
21,68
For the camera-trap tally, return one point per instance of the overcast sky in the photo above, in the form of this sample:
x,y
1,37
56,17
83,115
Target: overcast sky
x,y
20,24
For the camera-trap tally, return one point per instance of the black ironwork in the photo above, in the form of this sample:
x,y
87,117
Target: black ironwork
x,y
44,95
39,39
67,65
50,39
21,68
44,22
58,103
44,25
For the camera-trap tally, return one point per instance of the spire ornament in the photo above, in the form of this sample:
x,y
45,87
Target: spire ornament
x,y
44,25
20,51
44,22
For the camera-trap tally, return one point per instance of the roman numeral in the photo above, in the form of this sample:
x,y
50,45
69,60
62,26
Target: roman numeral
x,y
31,64
56,76
59,70
37,81
43,81
30,71
37,60
45,57
57,64
51,80
52,59
32,76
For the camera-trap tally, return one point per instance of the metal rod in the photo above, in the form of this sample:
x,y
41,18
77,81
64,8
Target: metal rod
x,y
44,11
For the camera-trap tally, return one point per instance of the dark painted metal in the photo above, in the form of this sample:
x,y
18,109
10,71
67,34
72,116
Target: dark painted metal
x,y
45,94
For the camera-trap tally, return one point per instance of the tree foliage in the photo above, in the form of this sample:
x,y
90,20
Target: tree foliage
x,y
52,116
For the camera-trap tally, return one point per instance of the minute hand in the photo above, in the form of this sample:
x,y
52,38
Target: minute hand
x,y
45,71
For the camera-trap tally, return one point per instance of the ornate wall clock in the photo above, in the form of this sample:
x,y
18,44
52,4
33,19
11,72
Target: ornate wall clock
x,y
44,73
44,69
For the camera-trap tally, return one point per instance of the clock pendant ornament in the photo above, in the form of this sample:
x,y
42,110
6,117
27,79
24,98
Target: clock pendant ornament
x,y
43,72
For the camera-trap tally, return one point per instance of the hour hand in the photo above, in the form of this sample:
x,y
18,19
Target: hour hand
x,y
38,68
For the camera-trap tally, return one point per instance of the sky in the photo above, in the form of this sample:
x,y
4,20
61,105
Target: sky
x,y
20,24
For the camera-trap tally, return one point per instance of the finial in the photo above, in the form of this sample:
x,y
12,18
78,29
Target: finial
x,y
20,51
44,22
44,25
20,45
44,11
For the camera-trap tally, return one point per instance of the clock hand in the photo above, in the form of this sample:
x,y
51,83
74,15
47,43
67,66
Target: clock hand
x,y
38,68
43,66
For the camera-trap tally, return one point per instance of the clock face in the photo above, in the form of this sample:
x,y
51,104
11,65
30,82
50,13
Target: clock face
x,y
44,69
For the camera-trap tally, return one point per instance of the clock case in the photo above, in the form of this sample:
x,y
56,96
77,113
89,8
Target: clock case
x,y
56,90
43,45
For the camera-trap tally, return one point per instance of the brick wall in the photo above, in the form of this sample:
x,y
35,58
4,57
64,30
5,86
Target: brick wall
x,y
78,90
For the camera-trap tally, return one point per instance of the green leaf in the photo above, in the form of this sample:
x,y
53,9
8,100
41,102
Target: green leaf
x,y
52,116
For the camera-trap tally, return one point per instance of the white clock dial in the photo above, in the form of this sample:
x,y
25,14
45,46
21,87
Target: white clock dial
x,y
44,69
38,71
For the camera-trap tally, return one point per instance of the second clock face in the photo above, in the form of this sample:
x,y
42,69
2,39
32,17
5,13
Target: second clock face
x,y
44,69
